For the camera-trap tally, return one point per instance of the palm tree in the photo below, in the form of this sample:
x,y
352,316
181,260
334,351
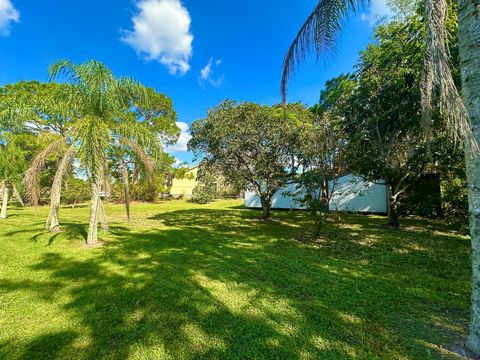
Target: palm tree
x,y
5,186
12,162
102,113
318,34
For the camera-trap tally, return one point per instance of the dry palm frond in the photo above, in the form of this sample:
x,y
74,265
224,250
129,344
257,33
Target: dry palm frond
x,y
142,156
132,129
17,195
103,216
106,181
56,191
438,76
36,166
318,33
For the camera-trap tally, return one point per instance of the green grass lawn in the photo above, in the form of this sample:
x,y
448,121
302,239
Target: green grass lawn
x,y
186,281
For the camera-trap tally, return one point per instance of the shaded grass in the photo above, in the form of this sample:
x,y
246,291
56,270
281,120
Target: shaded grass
x,y
185,281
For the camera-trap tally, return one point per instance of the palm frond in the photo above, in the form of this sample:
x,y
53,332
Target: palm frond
x,y
438,76
93,86
103,216
318,33
93,137
64,68
130,128
36,166
106,181
17,195
142,156
132,90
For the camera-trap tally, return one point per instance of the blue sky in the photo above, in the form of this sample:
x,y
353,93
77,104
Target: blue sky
x,y
196,52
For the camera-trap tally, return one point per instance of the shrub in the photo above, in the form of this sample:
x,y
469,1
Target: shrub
x,y
206,189
75,191
455,201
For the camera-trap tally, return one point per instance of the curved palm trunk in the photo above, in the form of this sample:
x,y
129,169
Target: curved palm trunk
x,y
53,223
92,237
469,42
2,186
3,211
17,195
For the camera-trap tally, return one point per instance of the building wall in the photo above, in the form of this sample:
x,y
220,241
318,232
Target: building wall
x,y
280,200
350,193
353,193
184,187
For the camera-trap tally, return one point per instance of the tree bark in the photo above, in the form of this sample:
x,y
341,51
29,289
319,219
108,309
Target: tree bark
x,y
321,209
3,211
392,207
266,206
53,221
469,43
106,183
17,195
92,237
126,189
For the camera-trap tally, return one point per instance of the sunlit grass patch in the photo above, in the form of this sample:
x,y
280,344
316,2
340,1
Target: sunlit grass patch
x,y
185,281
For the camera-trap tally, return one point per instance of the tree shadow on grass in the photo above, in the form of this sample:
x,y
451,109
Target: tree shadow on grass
x,y
49,346
69,231
219,284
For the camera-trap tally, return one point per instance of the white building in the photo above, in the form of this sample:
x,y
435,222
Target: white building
x,y
350,193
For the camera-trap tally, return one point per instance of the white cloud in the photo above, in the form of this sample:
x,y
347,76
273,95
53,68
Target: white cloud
x,y
207,73
217,82
181,145
161,31
8,13
178,163
378,11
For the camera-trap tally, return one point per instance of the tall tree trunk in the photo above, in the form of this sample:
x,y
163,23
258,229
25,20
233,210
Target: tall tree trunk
x,y
92,237
3,212
266,206
103,216
35,196
126,190
53,222
2,187
392,207
469,43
